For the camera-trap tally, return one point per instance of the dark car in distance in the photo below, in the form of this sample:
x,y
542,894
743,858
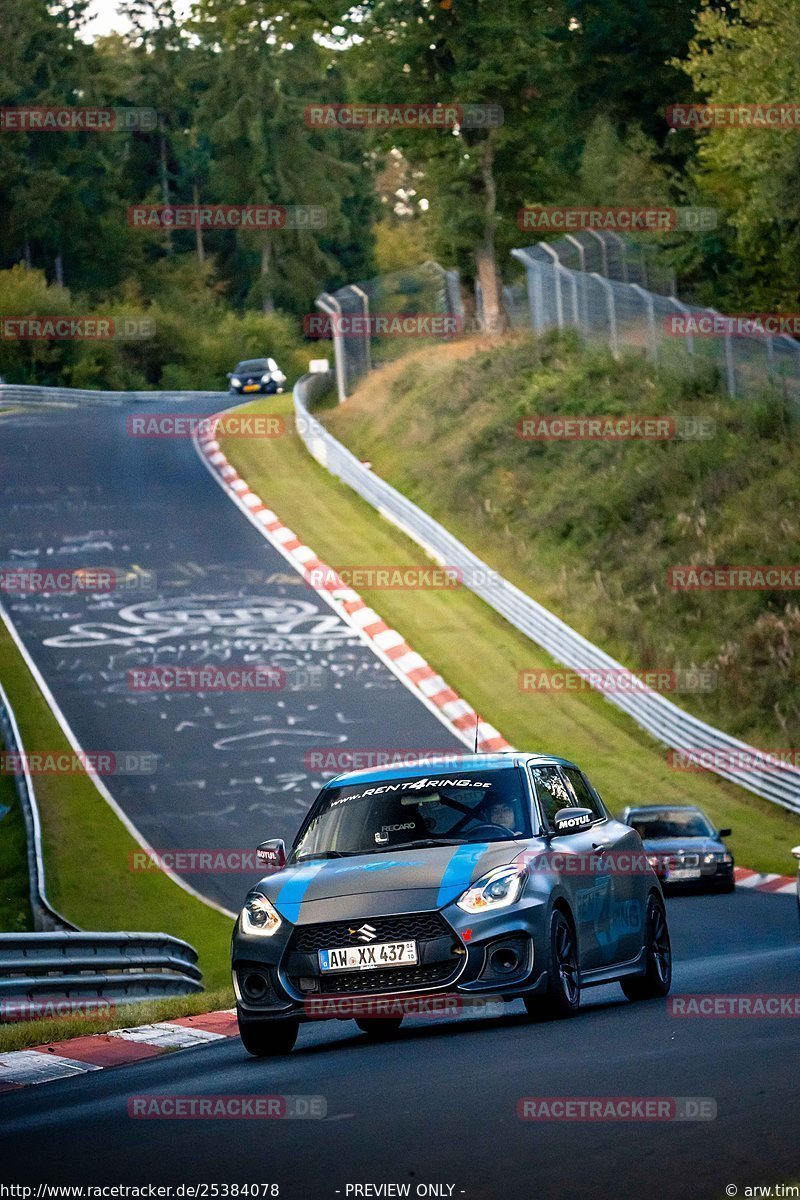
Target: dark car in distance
x,y
256,375
683,847
493,877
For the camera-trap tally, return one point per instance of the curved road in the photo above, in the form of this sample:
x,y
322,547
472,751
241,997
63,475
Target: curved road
x,y
206,589
438,1104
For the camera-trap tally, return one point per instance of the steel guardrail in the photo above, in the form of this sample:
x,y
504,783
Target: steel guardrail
x,y
94,967
653,712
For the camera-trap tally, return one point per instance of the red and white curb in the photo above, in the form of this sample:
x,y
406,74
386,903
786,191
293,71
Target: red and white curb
x,y
781,885
390,646
76,1056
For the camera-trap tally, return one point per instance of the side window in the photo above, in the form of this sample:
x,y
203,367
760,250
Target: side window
x,y
551,791
583,793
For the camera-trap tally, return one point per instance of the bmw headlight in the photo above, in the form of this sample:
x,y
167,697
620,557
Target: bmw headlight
x,y
266,377
259,917
235,382
499,889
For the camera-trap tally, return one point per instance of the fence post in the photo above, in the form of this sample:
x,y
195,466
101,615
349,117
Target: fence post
x,y
624,254
603,251
581,317
367,336
557,277
612,313
689,336
727,354
652,342
331,306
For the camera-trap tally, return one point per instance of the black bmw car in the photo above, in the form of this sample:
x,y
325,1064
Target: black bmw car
x,y
684,848
255,375
499,875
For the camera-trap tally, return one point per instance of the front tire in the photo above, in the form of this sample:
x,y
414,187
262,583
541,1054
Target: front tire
x,y
657,979
379,1029
563,995
267,1039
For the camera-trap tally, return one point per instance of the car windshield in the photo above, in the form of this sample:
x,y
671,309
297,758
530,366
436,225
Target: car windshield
x,y
671,823
435,809
256,364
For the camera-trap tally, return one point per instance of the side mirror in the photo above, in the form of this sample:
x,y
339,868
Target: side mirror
x,y
229,375
272,854
572,820
725,832
796,853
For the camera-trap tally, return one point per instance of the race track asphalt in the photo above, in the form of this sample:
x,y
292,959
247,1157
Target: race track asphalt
x,y
203,588
439,1103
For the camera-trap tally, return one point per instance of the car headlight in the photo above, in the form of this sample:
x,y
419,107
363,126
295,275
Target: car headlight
x,y
235,382
499,889
259,916
279,376
654,861
266,378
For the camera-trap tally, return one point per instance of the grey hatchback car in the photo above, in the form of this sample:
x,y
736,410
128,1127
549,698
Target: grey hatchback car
x,y
500,874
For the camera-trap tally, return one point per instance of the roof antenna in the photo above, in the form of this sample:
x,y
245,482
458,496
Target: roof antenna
x,y
477,723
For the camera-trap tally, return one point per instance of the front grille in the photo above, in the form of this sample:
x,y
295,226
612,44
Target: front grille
x,y
394,980
682,860
418,927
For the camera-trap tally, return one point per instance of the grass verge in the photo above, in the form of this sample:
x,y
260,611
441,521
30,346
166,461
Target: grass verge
x,y
15,908
87,855
480,655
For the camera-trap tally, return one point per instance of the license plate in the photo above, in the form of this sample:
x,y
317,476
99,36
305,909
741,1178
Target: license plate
x,y
683,873
251,387
368,958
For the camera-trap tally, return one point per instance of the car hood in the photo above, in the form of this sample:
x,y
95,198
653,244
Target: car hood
x,y
430,877
686,845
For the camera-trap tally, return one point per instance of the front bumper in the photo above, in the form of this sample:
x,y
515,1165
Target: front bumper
x,y
459,954
711,877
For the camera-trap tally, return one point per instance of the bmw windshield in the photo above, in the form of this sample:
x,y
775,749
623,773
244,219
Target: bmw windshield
x,y
429,810
670,824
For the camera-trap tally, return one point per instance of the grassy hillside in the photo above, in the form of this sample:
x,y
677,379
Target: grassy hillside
x,y
480,654
590,529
